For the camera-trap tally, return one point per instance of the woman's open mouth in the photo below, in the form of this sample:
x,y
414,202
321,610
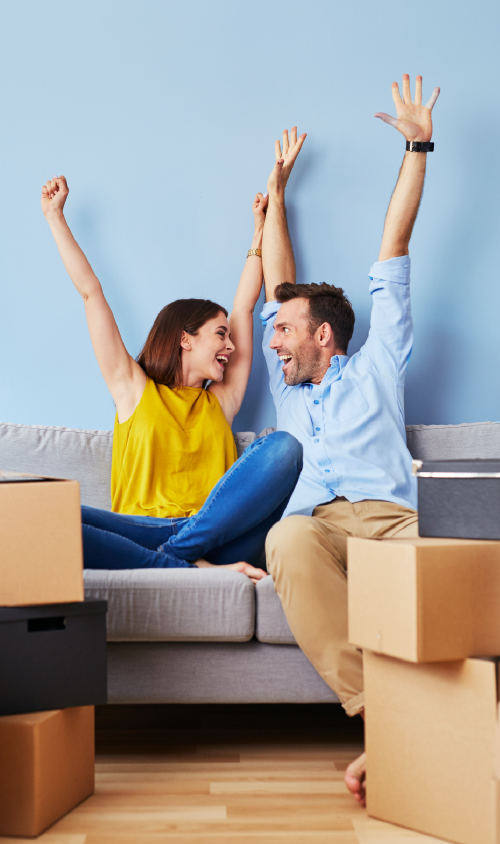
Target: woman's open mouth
x,y
222,360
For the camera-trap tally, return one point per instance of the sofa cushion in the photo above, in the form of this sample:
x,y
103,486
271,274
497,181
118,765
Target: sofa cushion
x,y
83,456
271,625
475,440
175,605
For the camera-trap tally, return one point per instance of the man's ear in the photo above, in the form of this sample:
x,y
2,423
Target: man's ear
x,y
324,334
186,341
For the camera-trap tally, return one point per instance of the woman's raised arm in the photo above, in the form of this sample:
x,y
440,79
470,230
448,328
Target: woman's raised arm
x,y
231,390
124,377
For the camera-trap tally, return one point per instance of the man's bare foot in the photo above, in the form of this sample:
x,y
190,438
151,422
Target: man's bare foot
x,y
245,568
355,779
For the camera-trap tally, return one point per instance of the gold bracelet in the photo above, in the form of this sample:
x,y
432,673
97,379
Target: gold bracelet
x,y
257,252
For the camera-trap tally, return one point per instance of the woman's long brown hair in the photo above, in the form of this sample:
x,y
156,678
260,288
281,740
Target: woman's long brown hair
x,y
161,356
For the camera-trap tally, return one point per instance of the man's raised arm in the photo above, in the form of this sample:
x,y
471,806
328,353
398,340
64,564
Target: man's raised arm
x,y
277,253
415,123
390,338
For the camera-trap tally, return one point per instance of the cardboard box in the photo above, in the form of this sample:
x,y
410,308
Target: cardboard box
x,y
46,767
53,656
41,559
424,600
432,743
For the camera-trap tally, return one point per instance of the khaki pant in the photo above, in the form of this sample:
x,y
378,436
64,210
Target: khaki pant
x,y
307,558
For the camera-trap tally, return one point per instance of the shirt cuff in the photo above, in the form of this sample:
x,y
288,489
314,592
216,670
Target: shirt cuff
x,y
269,310
395,269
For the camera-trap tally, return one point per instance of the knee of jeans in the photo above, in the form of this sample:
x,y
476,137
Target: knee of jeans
x,y
286,447
85,513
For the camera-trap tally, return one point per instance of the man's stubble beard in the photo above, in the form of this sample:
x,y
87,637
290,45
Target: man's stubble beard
x,y
306,367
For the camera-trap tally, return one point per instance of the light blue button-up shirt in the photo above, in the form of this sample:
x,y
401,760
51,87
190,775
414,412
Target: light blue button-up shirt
x,y
352,425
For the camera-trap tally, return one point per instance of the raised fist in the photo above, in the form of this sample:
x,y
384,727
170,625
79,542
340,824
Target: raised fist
x,y
259,208
54,194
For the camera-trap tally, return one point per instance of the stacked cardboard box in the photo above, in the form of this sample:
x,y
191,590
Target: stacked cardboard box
x,y
46,767
40,541
52,655
426,613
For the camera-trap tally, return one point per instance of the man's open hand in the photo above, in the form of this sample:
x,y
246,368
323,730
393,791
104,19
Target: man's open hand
x,y
284,162
414,120
54,194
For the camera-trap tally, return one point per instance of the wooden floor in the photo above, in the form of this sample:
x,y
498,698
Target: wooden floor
x,y
234,775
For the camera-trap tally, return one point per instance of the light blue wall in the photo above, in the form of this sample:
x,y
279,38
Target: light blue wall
x,y
163,118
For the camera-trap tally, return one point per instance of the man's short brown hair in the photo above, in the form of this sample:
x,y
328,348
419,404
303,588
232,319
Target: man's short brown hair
x,y
326,304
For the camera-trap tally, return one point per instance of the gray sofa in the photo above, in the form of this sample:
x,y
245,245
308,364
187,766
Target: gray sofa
x,y
199,636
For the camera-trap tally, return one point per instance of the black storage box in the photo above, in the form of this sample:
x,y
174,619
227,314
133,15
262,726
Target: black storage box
x,y
458,499
52,656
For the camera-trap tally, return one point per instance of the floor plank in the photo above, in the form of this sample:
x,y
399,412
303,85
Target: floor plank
x,y
228,775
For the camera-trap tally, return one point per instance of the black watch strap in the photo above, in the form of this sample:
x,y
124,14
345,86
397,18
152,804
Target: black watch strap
x,y
419,146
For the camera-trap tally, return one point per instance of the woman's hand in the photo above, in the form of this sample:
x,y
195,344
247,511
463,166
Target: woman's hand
x,y
124,377
413,120
54,194
245,568
259,208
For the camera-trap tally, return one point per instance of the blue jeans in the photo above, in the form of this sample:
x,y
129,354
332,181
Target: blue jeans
x,y
231,526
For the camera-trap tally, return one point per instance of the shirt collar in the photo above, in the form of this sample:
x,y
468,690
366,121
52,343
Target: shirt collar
x,y
338,361
337,364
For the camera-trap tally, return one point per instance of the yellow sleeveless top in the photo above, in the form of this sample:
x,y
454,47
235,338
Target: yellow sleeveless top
x,y
168,456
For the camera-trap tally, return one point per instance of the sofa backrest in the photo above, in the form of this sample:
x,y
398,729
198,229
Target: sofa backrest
x,y
86,455
82,455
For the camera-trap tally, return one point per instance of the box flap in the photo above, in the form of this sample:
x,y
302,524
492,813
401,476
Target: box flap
x,y
20,477
15,477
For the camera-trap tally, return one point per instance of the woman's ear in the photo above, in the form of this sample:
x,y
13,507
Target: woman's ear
x,y
186,341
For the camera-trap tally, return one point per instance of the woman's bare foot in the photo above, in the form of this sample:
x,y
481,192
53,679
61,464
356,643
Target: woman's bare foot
x,y
355,779
245,568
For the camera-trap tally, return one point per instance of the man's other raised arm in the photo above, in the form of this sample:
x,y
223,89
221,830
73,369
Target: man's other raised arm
x,y
277,252
390,338
414,121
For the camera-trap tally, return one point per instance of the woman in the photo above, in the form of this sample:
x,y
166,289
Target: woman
x,y
179,496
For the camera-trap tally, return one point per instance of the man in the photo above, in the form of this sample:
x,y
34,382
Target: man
x,y
348,413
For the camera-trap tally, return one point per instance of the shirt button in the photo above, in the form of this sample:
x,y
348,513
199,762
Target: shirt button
x,y
327,470
316,441
318,429
316,401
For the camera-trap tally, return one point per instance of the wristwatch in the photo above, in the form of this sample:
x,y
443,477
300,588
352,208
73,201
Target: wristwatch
x,y
419,146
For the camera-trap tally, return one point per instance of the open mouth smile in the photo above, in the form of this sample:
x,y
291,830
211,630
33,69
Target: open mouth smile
x,y
222,360
286,360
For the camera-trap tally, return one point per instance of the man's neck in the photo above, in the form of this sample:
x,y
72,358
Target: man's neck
x,y
326,363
